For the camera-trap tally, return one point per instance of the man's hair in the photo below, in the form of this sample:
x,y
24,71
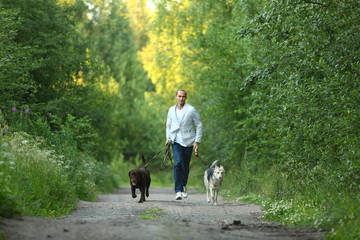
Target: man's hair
x,y
181,90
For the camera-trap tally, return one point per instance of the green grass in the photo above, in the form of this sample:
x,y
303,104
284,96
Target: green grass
x,y
38,181
317,206
152,213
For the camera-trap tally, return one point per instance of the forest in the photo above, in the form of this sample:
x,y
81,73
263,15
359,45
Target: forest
x,y
85,86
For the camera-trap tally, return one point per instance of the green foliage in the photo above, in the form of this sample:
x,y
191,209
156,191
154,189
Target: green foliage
x,y
112,43
43,182
304,101
71,102
38,185
276,85
307,96
7,201
15,80
317,206
47,35
59,61
72,97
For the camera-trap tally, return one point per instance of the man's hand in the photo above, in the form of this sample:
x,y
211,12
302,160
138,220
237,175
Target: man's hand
x,y
196,146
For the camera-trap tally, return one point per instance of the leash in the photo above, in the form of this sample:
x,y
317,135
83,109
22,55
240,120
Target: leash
x,y
167,154
202,160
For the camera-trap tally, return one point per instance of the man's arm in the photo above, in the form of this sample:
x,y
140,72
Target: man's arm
x,y
198,126
168,125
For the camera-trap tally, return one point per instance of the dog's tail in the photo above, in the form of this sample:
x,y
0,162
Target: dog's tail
x,y
214,164
144,164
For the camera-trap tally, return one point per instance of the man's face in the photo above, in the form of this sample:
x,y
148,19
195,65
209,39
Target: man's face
x,y
181,97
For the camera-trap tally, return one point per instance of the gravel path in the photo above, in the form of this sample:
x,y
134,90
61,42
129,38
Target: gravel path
x,y
118,216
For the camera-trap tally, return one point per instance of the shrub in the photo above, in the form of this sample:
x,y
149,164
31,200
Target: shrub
x,y
45,175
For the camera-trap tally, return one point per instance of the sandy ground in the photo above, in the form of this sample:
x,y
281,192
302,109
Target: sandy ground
x,y
118,216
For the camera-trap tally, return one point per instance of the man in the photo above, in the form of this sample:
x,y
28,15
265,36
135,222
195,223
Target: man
x,y
180,131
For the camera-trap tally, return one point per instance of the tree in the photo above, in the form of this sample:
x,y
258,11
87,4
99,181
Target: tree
x,y
125,118
48,32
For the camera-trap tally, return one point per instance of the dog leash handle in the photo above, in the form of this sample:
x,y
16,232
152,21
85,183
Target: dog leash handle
x,y
198,156
196,153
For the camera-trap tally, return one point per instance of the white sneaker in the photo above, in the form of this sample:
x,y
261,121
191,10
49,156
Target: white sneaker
x,y
178,196
184,193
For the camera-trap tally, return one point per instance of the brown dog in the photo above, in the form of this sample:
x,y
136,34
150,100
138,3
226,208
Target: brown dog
x,y
140,178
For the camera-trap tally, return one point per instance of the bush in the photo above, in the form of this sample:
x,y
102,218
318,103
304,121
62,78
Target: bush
x,y
45,175
39,182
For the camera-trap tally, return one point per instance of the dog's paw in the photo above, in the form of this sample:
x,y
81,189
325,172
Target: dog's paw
x,y
134,196
215,204
208,200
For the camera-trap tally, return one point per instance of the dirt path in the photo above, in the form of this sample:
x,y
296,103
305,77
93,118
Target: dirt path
x,y
118,216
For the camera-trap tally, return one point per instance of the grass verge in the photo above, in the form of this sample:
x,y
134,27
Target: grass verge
x,y
38,181
323,207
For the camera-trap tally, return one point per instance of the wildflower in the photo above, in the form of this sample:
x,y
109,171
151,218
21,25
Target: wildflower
x,y
24,141
27,111
7,155
4,145
13,109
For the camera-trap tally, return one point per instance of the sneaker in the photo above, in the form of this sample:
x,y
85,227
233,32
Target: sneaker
x,y
178,196
184,193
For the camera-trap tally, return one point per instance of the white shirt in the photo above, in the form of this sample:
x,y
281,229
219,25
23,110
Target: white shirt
x,y
179,115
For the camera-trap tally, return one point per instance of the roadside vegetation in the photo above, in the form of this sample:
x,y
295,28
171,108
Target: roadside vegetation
x,y
85,87
277,85
72,104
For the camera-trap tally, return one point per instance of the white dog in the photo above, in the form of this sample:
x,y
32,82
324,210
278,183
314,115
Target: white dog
x,y
213,178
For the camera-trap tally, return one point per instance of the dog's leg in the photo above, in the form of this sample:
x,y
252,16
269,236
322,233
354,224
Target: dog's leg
x,y
133,192
207,193
212,195
207,190
147,189
142,197
206,183
216,192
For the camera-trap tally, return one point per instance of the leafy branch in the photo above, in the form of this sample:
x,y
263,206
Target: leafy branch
x,y
316,3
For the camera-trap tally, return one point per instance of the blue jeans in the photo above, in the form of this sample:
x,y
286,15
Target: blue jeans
x,y
182,156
